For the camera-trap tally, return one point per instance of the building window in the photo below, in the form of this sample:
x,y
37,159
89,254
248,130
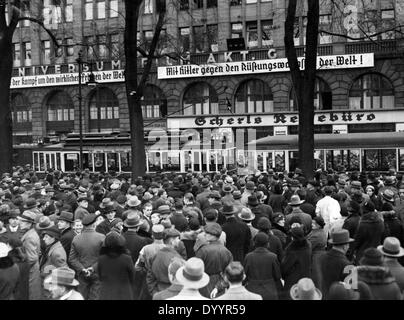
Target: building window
x,y
90,43
20,109
113,8
199,38
197,4
212,36
212,3
69,11
148,6
388,21
17,55
100,9
114,46
266,29
184,39
236,30
60,107
235,2
102,47
325,23
252,34
88,10
46,52
154,104
200,98
254,96
70,47
322,96
250,1
104,105
371,91
52,12
27,53
184,4
25,13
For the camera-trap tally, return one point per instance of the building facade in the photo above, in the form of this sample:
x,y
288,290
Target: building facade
x,y
229,84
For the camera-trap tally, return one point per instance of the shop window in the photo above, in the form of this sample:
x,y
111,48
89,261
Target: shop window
x,y
200,98
322,97
343,158
378,159
371,91
60,107
154,104
254,96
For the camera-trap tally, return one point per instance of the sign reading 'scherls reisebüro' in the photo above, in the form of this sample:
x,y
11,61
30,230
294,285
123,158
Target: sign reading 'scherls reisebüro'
x,y
346,61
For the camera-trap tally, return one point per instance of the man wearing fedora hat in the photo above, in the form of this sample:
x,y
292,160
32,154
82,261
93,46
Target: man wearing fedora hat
x,y
13,230
248,191
55,254
84,253
108,211
62,284
193,277
64,224
32,246
334,261
82,207
306,219
32,205
134,241
238,234
248,216
203,195
392,250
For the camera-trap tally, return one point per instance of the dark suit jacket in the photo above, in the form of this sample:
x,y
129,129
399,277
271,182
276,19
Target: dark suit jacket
x,y
135,243
238,237
332,265
66,239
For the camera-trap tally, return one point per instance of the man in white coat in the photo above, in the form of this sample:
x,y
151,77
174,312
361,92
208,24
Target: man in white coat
x,y
329,209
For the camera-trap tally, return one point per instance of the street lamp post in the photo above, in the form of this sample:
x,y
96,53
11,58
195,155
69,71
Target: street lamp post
x,y
79,61
91,82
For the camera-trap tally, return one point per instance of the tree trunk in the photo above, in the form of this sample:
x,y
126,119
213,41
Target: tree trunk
x,y
6,67
304,81
138,155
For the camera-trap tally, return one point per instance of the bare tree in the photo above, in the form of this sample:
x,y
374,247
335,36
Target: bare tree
x,y
11,13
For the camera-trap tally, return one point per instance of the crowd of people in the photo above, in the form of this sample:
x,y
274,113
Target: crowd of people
x,y
264,236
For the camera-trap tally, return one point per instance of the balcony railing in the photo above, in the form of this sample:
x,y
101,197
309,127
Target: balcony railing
x,y
386,46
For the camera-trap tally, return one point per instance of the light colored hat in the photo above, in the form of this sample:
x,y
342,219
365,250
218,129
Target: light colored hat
x,y
192,274
305,290
391,247
63,276
133,201
4,249
295,200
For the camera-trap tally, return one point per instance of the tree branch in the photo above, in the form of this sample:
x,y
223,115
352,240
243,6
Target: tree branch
x,y
150,55
396,28
40,23
290,46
